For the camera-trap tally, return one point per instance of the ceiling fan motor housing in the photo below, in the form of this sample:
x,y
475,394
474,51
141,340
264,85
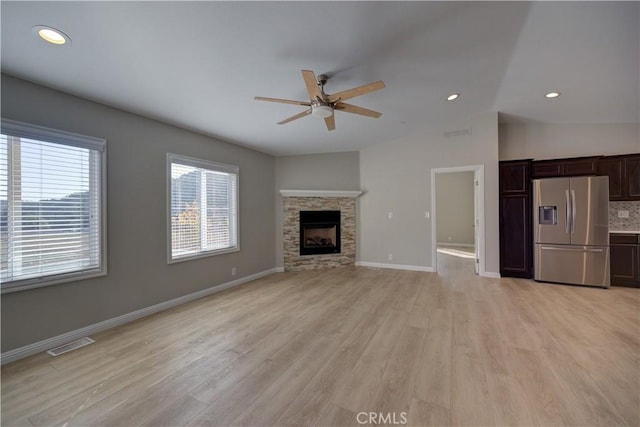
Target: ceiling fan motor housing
x,y
322,79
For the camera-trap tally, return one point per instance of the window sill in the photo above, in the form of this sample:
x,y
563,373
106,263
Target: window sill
x,y
202,255
26,284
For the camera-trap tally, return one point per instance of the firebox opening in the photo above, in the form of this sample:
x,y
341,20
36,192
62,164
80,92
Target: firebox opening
x,y
319,232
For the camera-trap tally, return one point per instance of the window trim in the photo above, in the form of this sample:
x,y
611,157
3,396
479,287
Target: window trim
x,y
205,164
41,133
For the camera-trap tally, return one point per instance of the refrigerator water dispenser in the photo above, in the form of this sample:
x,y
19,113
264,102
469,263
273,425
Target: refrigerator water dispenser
x,y
547,215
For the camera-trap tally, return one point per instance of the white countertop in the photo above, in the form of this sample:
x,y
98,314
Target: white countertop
x,y
624,231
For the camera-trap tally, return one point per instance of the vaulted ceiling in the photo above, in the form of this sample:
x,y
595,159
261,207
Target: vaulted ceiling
x,y
199,65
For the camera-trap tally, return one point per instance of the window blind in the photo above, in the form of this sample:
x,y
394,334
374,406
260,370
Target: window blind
x,y
204,198
50,209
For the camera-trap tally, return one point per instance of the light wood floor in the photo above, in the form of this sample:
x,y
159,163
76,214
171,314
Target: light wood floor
x,y
317,348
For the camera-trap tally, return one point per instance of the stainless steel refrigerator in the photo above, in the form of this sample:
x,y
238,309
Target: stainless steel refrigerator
x,y
571,230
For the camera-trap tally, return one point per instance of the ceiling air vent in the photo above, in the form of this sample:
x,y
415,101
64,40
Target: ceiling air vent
x,y
457,132
73,345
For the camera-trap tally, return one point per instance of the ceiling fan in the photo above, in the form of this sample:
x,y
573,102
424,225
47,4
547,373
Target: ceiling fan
x,y
323,105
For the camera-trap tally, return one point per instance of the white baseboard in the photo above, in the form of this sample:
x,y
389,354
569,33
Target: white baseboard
x,y
459,245
491,274
40,346
394,266
279,269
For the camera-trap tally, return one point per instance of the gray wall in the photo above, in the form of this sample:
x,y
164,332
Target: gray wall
x,y
396,177
549,141
332,171
454,204
136,177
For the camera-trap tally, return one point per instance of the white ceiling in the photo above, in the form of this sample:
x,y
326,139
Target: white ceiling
x,y
198,65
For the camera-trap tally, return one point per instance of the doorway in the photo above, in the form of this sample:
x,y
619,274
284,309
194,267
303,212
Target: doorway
x,y
457,205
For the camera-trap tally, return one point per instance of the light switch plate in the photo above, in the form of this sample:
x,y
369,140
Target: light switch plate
x,y
623,214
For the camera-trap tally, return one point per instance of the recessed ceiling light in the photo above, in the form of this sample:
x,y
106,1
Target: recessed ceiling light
x,y
552,95
51,35
453,96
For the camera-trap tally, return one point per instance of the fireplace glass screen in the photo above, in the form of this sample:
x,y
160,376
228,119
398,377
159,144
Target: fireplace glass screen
x,y
319,232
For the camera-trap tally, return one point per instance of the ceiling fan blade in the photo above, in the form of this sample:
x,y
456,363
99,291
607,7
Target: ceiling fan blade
x,y
356,91
330,122
349,108
283,101
296,117
312,84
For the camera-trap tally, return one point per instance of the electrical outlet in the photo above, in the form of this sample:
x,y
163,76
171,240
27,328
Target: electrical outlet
x,y
233,271
390,215
623,214
427,214
390,257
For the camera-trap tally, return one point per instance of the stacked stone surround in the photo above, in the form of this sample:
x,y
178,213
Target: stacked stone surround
x,y
292,206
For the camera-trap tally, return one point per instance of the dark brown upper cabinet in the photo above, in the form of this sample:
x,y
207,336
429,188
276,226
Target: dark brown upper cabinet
x,y
624,176
632,179
579,166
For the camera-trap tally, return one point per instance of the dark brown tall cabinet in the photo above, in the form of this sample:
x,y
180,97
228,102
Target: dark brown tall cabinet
x,y
516,234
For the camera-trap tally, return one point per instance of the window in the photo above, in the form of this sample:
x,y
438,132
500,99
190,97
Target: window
x,y
203,208
52,204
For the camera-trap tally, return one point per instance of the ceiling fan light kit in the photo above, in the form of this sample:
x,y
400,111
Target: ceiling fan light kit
x,y
321,110
324,105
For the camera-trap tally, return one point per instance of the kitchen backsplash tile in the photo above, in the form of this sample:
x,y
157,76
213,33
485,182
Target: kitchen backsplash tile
x,y
622,224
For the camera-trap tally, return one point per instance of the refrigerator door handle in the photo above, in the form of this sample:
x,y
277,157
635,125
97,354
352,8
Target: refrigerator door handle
x,y
567,211
573,211
550,248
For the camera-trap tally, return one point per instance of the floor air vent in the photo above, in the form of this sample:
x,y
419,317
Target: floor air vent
x,y
73,345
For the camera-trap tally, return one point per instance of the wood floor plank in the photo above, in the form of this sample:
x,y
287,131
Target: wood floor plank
x,y
366,375
162,393
542,391
179,413
433,375
470,403
579,388
310,402
426,414
234,401
608,368
111,393
299,371
396,386
335,416
320,347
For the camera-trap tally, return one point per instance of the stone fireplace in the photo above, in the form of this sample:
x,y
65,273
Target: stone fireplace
x,y
319,229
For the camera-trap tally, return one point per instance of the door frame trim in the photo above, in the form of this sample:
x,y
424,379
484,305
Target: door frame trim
x,y
479,174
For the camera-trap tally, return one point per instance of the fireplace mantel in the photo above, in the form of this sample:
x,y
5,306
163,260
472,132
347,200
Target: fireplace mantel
x,y
320,193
